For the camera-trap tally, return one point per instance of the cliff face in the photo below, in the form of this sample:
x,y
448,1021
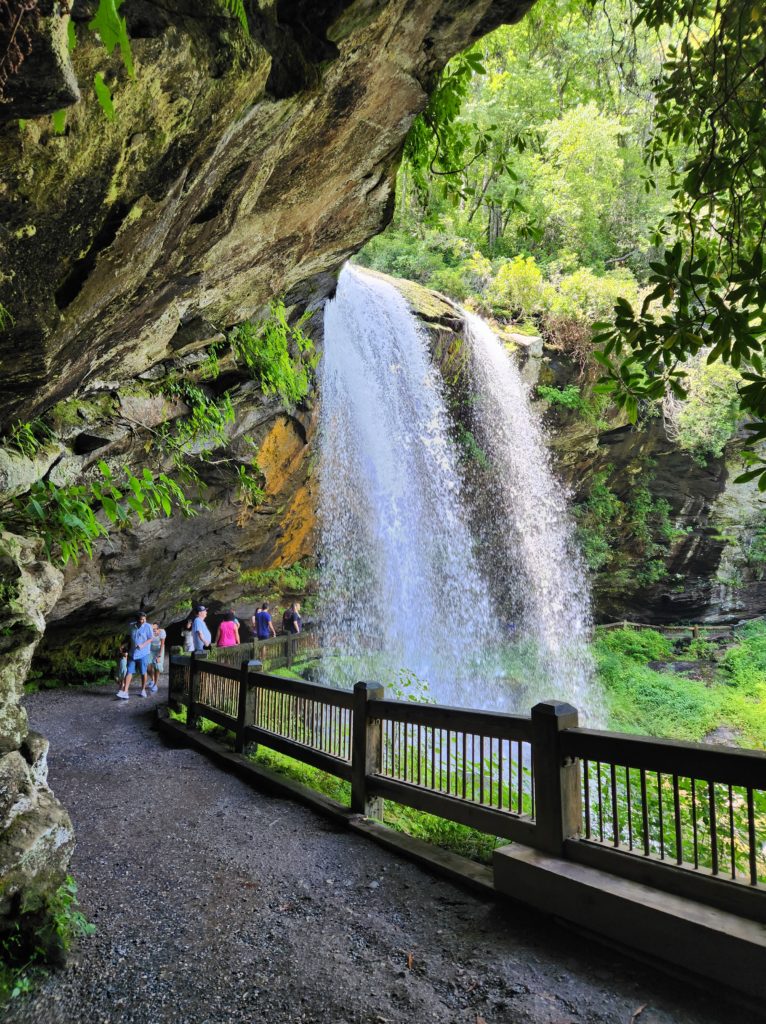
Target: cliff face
x,y
238,167
668,537
235,168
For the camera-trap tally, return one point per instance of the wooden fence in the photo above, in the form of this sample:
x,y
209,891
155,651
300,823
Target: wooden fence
x,y
682,817
693,630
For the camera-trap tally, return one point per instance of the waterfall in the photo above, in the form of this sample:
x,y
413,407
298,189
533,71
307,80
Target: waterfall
x,y
397,566
536,570
483,598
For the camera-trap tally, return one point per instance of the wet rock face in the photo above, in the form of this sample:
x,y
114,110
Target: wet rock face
x,y
709,567
235,169
36,837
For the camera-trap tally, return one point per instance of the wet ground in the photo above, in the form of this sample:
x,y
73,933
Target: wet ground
x,y
214,903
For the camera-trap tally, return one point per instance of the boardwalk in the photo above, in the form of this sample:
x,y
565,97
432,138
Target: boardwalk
x,y
215,903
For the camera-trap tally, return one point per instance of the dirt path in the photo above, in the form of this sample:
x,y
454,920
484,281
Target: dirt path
x,y
216,904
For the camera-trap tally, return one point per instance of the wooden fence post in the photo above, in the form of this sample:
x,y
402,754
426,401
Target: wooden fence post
x,y
366,750
246,707
558,810
191,708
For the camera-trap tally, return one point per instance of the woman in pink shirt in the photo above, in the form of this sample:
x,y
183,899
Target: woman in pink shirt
x,y
228,632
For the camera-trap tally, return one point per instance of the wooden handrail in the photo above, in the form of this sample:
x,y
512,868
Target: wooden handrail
x,y
708,762
438,716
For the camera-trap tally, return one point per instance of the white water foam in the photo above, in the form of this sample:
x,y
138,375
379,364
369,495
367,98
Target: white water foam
x,y
400,564
396,559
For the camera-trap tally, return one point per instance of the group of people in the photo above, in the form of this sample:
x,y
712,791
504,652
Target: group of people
x,y
197,636
143,655
262,623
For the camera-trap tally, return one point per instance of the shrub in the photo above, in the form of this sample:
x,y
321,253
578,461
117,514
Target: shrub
x,y
450,282
708,417
642,645
518,287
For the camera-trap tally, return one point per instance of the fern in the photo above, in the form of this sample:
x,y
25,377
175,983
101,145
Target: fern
x,y
237,9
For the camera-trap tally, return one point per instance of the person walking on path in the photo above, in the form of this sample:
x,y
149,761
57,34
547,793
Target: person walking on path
x,y
200,632
187,635
138,661
157,650
264,626
228,631
291,620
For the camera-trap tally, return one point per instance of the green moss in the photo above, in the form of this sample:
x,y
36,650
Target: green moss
x,y
283,580
74,412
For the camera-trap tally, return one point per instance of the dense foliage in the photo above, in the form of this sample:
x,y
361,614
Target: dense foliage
x,y
608,170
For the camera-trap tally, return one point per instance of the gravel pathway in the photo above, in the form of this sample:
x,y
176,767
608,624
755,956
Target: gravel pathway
x,y
215,903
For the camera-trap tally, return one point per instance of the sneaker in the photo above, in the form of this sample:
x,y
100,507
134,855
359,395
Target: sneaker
x,y
152,687
142,693
121,695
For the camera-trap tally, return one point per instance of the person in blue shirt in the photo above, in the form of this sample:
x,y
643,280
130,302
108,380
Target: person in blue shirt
x,y
264,627
200,632
141,635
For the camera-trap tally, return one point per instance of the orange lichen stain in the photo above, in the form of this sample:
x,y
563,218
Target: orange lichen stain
x,y
281,455
298,538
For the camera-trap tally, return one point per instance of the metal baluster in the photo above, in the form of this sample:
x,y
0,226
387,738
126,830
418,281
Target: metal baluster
x,y
500,774
600,804
644,812
465,766
751,838
662,827
615,809
713,828
519,780
732,845
677,821
449,753
491,771
695,841
586,796
531,778
481,770
420,727
433,758
630,808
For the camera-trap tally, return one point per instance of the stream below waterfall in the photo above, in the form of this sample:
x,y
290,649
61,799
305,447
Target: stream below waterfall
x,y
426,586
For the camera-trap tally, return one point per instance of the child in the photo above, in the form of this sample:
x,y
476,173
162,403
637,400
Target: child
x,y
122,662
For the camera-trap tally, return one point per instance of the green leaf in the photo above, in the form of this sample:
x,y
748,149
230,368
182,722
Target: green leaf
x,y
113,31
71,36
58,118
104,95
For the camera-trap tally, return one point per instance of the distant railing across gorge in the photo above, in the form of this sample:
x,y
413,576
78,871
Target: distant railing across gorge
x,y
686,818
692,629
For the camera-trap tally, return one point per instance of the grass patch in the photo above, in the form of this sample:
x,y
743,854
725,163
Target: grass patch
x,y
654,703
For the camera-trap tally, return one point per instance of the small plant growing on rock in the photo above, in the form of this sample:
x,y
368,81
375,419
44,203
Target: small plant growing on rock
x,y
62,924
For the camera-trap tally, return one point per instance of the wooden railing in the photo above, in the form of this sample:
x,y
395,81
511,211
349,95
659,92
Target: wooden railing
x,y
276,652
693,630
683,817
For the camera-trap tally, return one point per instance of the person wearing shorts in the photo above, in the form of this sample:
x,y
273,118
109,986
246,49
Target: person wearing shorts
x,y
157,651
141,635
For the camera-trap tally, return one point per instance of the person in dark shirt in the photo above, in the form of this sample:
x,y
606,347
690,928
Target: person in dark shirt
x,y
291,620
